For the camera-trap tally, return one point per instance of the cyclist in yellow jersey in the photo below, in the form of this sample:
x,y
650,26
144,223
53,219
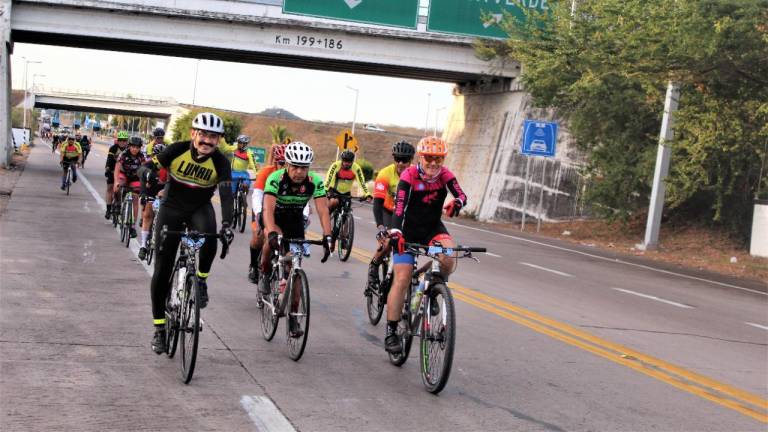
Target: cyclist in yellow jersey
x,y
158,137
242,161
340,177
384,190
71,155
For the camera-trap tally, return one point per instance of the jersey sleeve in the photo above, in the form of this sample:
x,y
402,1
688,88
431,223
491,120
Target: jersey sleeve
x,y
273,182
381,185
261,179
330,176
453,185
252,162
319,186
361,179
226,148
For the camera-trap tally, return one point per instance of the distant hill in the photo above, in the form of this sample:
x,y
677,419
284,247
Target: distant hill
x,y
279,113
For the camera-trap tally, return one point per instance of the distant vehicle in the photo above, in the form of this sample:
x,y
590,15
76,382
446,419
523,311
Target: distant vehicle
x,y
374,128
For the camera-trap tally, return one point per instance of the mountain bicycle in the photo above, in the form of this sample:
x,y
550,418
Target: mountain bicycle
x,y
343,223
241,206
151,237
432,317
182,306
376,296
273,305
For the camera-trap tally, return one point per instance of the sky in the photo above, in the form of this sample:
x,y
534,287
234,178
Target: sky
x,y
309,94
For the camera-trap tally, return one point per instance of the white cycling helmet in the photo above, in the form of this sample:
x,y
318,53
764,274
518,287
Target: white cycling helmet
x,y
299,154
208,122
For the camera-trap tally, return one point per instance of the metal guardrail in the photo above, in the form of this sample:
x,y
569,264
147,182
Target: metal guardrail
x,y
121,97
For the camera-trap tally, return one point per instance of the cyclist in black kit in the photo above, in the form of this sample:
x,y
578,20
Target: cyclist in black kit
x,y
195,169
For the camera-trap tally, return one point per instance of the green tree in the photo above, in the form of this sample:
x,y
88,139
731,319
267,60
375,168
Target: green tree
x,y
367,168
232,125
605,70
279,134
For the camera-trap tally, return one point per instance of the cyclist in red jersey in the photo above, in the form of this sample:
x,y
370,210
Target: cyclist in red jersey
x,y
419,200
126,173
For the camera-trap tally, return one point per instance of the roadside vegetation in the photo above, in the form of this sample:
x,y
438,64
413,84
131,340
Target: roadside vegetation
x,y
605,70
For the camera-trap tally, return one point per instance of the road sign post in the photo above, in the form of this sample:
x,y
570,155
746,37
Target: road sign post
x,y
466,16
397,13
539,139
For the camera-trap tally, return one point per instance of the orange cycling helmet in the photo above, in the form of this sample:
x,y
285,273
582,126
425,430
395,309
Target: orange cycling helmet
x,y
432,146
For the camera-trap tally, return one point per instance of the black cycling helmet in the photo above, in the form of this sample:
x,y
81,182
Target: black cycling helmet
x,y
347,156
158,132
403,149
243,139
135,141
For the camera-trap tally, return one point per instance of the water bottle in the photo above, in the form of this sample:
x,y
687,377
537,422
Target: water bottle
x,y
416,299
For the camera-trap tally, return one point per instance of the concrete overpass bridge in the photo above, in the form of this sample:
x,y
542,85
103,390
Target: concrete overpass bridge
x,y
483,123
81,101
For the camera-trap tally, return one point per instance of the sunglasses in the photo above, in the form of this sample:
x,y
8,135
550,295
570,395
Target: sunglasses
x,y
403,159
433,159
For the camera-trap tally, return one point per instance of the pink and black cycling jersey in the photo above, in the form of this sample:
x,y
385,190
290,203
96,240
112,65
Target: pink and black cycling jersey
x,y
419,204
129,164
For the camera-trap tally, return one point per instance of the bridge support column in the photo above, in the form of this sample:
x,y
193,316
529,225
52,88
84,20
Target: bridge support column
x,y
6,46
484,133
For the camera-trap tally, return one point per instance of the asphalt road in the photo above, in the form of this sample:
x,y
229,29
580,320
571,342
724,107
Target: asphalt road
x,y
549,338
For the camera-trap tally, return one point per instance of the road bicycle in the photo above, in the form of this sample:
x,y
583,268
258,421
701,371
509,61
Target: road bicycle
x,y
182,306
241,206
126,220
68,176
431,317
343,223
272,306
151,237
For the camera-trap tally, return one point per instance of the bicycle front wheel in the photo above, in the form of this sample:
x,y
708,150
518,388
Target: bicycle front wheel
x,y
346,237
438,338
405,335
189,327
172,319
299,314
268,310
243,211
376,296
127,220
69,179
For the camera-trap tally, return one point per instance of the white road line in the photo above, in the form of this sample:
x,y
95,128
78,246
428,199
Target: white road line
x,y
265,414
134,245
546,269
669,302
756,325
493,254
614,260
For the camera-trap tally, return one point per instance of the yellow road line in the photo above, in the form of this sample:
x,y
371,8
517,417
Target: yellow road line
x,y
723,394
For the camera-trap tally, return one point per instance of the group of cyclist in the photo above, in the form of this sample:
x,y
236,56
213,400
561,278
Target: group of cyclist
x,y
73,151
407,203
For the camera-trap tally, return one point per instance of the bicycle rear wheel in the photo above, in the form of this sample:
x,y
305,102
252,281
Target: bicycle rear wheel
x,y
151,242
438,338
189,327
300,315
375,299
268,313
127,220
68,181
346,236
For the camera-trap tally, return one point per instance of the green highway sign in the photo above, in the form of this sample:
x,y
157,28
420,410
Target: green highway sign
x,y
464,16
398,13
259,154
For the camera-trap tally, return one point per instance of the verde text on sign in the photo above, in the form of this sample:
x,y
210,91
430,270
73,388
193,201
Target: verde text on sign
x,y
465,16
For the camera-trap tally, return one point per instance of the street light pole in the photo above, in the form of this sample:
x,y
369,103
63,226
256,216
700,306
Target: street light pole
x,y
437,117
426,121
354,117
194,90
24,106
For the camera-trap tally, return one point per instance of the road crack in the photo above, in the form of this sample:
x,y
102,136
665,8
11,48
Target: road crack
x,y
676,334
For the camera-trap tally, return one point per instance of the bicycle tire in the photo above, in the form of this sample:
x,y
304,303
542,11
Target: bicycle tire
x,y
296,345
189,327
404,333
374,302
151,242
127,220
438,345
242,216
346,236
171,322
68,179
121,222
268,316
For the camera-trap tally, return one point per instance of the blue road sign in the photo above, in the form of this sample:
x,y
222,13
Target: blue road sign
x,y
539,138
